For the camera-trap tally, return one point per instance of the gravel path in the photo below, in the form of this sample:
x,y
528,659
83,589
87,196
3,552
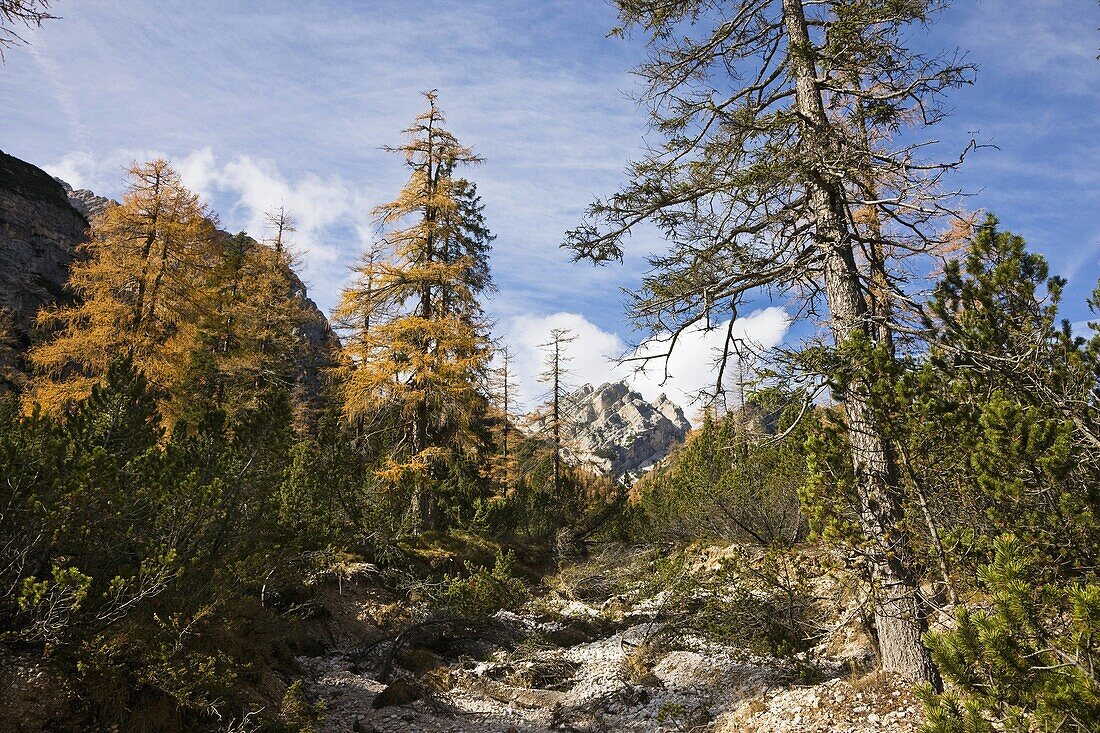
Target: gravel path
x,y
609,680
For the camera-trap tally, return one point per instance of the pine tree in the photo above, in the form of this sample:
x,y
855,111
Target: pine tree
x,y
416,346
1002,417
281,223
1026,662
1000,430
252,327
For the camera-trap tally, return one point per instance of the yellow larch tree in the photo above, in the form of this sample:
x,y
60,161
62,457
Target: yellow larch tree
x,y
416,345
136,291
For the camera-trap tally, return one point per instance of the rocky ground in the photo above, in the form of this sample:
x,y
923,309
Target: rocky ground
x,y
600,651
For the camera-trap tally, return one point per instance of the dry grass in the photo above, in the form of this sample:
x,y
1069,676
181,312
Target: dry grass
x,y
638,665
613,570
542,674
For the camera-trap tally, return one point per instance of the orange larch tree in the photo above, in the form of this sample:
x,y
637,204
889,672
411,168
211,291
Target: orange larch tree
x,y
136,291
416,343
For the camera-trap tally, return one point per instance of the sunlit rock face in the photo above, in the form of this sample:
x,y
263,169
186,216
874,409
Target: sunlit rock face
x,y
614,430
86,202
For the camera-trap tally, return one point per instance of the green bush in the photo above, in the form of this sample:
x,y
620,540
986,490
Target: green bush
x,y
137,558
483,591
732,480
1026,662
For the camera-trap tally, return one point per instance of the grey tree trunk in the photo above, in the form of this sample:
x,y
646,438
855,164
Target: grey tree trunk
x,y
898,614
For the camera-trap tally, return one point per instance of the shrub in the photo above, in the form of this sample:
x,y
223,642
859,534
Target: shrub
x,y
298,711
1027,662
732,480
483,591
135,560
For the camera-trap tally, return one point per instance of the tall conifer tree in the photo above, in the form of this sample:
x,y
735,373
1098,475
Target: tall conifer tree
x,y
416,344
779,121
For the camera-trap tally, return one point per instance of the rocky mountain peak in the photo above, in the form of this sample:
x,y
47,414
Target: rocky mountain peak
x,y
88,203
615,430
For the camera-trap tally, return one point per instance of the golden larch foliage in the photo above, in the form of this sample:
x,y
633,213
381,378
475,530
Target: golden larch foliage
x,y
157,282
135,290
416,349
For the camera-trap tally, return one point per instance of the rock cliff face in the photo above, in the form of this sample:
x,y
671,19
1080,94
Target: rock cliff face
x,y
319,343
616,431
42,222
39,233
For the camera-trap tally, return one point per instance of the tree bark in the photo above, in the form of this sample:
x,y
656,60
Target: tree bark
x,y
557,419
898,614
146,249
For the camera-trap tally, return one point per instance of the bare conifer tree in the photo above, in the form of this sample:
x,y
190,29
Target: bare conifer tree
x,y
280,223
556,374
502,387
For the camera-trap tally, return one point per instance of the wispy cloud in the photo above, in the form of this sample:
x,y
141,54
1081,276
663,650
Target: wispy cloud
x,y
330,213
60,82
1050,41
290,103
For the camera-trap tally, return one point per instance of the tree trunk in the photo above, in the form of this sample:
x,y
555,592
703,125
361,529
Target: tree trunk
x,y
557,420
154,289
427,510
898,614
424,503
146,249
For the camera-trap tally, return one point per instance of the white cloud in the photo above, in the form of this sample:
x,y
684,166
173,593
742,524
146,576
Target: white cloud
x,y
61,82
103,174
73,169
198,171
1082,328
257,186
693,364
592,353
691,368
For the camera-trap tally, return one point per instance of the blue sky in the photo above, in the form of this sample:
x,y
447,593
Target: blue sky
x,y
289,102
